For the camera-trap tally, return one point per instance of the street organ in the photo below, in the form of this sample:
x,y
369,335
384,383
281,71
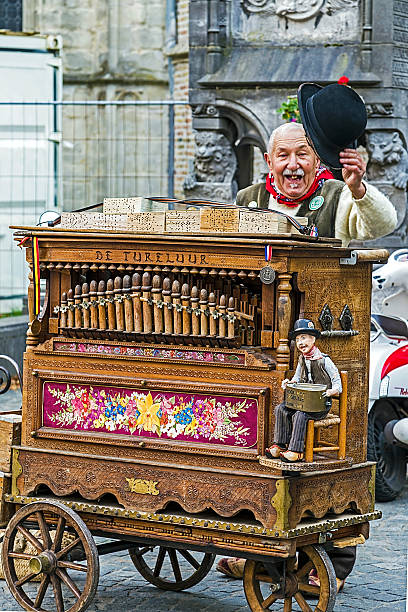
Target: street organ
x,y
151,375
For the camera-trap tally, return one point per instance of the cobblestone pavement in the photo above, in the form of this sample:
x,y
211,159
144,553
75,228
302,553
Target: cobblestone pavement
x,y
378,581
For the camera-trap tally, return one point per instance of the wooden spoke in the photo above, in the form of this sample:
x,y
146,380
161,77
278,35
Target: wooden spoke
x,y
175,565
25,579
155,572
32,539
52,568
42,591
64,576
74,566
304,606
59,600
68,548
287,606
189,557
45,532
305,569
159,561
59,532
269,600
15,555
309,588
262,577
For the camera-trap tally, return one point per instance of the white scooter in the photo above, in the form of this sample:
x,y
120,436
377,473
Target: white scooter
x,y
388,405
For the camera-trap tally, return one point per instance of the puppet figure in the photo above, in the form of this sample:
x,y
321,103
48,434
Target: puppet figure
x,y
313,367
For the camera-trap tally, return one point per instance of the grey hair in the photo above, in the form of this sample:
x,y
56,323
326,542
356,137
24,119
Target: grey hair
x,y
285,127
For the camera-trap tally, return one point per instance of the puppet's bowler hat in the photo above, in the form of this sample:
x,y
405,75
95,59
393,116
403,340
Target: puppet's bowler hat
x,y
304,326
333,117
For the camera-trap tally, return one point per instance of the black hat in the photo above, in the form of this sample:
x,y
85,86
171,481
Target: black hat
x,y
304,326
333,117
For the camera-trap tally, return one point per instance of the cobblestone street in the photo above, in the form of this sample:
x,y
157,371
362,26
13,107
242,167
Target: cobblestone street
x,y
378,581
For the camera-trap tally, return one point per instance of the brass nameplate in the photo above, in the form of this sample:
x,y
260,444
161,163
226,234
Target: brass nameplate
x,y
144,487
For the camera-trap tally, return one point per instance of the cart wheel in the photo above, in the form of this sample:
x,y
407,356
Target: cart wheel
x,y
167,573
264,589
54,566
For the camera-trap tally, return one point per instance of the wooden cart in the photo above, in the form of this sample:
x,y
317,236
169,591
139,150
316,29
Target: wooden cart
x,y
150,379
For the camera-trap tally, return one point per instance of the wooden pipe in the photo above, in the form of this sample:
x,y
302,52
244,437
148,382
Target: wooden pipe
x,y
185,302
231,317
221,321
157,309
70,303
64,315
94,306
101,307
111,305
119,310
147,308
175,296
85,306
195,321
213,319
77,311
203,308
137,304
168,315
126,292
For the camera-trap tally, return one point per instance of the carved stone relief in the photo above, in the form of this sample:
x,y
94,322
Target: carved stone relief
x,y
388,168
214,168
297,12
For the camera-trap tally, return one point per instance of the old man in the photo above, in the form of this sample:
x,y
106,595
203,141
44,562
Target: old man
x,y
298,185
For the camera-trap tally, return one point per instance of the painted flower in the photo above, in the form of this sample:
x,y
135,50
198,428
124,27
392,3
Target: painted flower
x,y
148,418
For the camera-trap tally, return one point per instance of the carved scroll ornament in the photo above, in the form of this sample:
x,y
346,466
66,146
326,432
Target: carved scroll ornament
x,y
297,10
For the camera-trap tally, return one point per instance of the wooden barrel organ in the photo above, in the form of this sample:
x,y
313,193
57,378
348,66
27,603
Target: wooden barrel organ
x,y
153,370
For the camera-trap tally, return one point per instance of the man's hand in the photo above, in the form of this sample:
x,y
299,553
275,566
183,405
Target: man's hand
x,y
353,171
285,382
331,392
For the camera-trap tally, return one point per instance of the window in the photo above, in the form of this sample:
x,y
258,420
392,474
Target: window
x,y
11,15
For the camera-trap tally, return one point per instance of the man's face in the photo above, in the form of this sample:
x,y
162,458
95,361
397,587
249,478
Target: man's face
x,y
305,342
292,163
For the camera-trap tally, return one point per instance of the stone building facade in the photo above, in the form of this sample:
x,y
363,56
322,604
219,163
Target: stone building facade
x,y
247,56
127,50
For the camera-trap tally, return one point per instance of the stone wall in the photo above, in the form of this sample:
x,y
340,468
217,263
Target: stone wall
x,y
183,137
112,51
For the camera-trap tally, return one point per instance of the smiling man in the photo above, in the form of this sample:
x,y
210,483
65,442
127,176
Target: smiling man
x,y
298,185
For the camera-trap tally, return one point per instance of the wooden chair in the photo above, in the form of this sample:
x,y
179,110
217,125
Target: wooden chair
x,y
314,442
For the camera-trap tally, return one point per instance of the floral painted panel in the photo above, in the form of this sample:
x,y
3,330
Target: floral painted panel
x,y
220,357
209,418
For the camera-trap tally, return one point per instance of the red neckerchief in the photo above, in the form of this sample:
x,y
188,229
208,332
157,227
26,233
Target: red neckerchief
x,y
322,175
313,354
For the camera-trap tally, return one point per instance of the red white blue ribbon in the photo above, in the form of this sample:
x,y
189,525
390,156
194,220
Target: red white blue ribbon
x,y
268,252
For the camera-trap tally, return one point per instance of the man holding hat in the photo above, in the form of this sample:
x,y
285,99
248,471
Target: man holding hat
x,y
333,118
313,367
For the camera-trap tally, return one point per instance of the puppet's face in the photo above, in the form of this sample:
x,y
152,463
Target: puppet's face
x,y
305,342
293,163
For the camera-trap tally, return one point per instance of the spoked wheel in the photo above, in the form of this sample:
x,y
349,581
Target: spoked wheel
x,y
61,573
281,585
171,569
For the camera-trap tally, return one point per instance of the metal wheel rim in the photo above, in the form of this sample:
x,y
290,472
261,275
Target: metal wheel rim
x,y
53,580
318,559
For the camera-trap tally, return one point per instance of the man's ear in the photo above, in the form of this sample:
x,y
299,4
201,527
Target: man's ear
x,y
268,160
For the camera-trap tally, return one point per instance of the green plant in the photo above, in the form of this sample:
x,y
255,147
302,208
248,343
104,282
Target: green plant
x,y
289,110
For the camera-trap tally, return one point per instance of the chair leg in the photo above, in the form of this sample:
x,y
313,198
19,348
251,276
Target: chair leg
x,y
309,443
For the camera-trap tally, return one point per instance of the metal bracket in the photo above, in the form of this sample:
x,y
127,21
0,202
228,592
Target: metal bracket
x,y
349,261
